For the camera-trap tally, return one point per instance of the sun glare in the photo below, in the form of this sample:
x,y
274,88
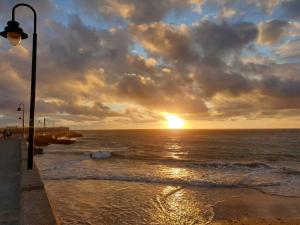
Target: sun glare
x,y
174,122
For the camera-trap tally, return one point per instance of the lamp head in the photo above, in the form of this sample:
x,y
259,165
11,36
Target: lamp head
x,y
13,33
19,109
20,118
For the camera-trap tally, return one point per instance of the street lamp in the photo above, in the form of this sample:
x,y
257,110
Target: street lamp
x,y
23,112
15,34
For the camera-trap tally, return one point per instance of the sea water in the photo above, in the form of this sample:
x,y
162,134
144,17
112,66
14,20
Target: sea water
x,y
165,176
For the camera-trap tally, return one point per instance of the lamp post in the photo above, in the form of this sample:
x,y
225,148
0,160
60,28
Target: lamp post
x,y
23,112
15,34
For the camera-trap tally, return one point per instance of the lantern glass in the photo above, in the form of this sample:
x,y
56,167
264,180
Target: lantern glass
x,y
14,38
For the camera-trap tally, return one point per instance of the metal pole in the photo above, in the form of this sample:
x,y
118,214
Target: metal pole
x,y
23,121
32,105
22,109
33,81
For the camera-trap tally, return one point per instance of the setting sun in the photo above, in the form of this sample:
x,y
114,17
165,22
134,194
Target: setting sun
x,y
174,122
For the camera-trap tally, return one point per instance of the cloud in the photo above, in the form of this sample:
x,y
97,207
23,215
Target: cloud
x,y
276,87
136,11
227,13
266,5
167,95
212,69
188,44
242,6
165,40
291,8
215,39
289,50
271,32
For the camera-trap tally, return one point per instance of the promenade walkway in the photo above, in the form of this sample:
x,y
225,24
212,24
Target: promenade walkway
x,y
23,200
10,158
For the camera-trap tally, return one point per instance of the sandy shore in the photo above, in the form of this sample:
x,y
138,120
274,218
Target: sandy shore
x,y
119,202
258,222
249,207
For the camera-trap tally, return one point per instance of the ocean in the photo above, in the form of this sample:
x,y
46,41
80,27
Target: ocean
x,y
166,176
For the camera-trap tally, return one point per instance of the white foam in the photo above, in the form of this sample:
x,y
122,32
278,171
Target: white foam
x,y
100,154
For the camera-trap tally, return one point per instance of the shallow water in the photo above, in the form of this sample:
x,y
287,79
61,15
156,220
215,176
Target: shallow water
x,y
109,202
166,177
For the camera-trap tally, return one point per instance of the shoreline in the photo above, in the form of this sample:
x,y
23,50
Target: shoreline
x,y
229,205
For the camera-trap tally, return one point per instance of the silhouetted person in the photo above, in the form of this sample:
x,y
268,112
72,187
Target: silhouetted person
x,y
4,134
9,133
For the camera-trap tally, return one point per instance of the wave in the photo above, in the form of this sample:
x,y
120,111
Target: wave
x,y
167,181
219,165
282,187
99,154
289,171
214,165
246,166
250,165
218,174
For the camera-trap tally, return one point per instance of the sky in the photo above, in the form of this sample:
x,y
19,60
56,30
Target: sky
x,y
127,64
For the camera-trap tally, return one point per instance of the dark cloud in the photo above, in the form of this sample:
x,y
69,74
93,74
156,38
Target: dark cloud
x,y
270,32
213,80
275,86
166,95
202,47
165,40
215,39
203,40
291,8
136,11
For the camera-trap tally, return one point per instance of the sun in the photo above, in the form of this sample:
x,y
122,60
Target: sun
x,y
174,122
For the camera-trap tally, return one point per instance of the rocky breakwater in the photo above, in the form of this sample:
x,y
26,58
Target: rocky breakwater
x,y
67,138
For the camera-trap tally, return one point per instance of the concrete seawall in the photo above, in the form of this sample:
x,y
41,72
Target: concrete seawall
x,y
35,206
23,199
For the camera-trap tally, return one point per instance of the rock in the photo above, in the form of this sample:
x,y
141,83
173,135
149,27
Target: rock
x,y
38,151
100,155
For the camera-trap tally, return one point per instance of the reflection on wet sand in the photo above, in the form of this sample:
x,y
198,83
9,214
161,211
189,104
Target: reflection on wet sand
x,y
184,207
107,202
129,203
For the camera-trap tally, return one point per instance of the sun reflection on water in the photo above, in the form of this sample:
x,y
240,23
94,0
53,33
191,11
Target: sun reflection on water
x,y
174,150
184,207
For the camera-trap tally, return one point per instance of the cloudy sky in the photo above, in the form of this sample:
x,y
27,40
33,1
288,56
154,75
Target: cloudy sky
x,y
127,63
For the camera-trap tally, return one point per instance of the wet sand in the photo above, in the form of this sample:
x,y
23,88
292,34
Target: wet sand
x,y
249,207
118,202
258,222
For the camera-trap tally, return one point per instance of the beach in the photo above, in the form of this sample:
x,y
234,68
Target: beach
x,y
107,202
174,177
254,207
